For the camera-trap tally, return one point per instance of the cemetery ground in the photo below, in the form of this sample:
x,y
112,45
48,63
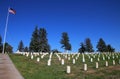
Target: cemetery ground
x,y
37,67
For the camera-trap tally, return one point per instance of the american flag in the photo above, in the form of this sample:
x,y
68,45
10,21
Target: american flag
x,y
12,11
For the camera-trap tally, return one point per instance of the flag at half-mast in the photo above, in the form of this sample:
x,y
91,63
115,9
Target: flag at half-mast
x,y
12,11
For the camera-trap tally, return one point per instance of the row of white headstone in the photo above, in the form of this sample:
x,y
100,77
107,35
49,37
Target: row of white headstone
x,y
68,56
86,67
83,58
91,59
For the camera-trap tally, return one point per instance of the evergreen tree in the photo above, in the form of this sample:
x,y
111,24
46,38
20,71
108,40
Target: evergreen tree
x,y
88,45
21,46
39,41
43,41
8,48
1,45
34,44
65,42
101,46
26,49
110,48
82,48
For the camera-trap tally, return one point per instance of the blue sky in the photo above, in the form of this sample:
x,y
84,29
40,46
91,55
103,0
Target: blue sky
x,y
81,19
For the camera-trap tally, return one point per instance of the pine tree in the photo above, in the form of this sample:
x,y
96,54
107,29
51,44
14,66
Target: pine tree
x,y
110,48
21,46
43,41
101,46
39,41
65,42
26,49
88,45
82,48
34,44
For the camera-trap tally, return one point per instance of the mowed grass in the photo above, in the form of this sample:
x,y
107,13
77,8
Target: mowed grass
x,y
31,69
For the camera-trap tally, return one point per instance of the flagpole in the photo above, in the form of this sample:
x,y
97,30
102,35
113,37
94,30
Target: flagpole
x,y
6,26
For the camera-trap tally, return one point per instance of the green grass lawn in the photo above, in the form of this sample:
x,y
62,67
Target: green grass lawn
x,y
31,69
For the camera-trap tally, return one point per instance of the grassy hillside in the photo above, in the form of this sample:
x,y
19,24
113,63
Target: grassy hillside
x,y
31,69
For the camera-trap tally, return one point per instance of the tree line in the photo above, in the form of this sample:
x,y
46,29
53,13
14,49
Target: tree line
x,y
101,46
39,43
8,48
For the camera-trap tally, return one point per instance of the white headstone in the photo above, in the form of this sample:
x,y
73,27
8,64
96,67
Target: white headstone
x,y
97,65
103,57
85,67
91,59
73,61
113,57
69,58
38,59
106,63
83,57
76,58
113,62
62,61
42,56
49,62
50,55
98,59
117,56
68,69
31,56
72,56
27,54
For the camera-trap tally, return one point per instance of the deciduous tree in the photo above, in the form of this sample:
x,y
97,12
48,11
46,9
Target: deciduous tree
x,y
8,48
